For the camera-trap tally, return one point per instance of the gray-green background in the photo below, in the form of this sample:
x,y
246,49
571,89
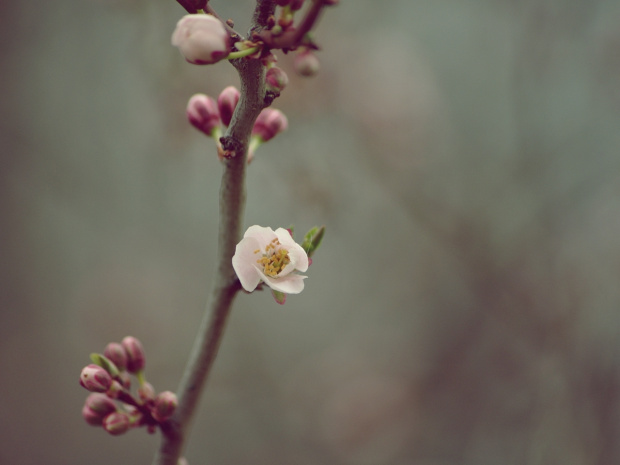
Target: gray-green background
x,y
464,308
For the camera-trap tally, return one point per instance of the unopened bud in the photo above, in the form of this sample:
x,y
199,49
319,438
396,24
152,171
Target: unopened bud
x,y
96,408
202,39
227,102
269,123
283,2
116,423
95,379
306,63
203,114
135,354
276,79
146,391
116,353
165,405
331,2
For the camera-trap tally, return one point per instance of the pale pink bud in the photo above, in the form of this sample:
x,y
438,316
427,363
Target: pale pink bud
x,y
135,354
92,418
96,408
203,114
146,391
202,39
116,423
306,63
165,405
95,379
269,123
276,79
116,353
227,102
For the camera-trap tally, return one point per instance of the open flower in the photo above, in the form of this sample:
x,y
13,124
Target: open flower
x,y
272,257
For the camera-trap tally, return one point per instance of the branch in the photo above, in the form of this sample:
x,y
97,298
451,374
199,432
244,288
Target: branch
x,y
292,38
226,285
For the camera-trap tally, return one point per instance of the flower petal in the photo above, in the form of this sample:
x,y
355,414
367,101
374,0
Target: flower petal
x,y
262,234
297,255
244,262
290,284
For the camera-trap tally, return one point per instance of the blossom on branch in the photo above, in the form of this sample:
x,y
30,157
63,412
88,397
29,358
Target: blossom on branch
x,y
272,257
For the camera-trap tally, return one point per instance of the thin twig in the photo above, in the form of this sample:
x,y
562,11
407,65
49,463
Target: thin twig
x,y
293,38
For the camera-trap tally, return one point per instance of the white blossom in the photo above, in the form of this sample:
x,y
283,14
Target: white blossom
x,y
272,257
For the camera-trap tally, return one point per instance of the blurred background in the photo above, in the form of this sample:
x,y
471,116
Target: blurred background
x,y
464,306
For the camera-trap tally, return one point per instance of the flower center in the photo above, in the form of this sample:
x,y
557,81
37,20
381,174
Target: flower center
x,y
274,258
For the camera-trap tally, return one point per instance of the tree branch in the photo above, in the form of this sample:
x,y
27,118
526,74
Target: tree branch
x,y
292,38
232,203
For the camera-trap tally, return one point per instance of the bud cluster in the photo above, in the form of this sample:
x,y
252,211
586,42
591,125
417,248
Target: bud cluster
x,y
210,116
111,404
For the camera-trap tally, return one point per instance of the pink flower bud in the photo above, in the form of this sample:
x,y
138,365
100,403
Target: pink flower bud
x,y
116,353
95,379
146,391
135,354
227,102
116,423
269,123
283,2
276,79
165,405
202,39
96,408
203,114
306,63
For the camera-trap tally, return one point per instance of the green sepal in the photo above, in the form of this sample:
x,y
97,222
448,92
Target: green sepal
x,y
278,296
105,363
312,240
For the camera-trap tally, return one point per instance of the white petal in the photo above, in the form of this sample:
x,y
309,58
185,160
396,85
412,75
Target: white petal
x,y
290,284
244,263
298,256
263,235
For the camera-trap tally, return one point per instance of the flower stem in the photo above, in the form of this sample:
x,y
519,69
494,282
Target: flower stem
x,y
242,53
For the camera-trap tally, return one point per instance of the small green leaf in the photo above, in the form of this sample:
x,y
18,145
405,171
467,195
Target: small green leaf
x,y
307,242
317,239
312,240
105,363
